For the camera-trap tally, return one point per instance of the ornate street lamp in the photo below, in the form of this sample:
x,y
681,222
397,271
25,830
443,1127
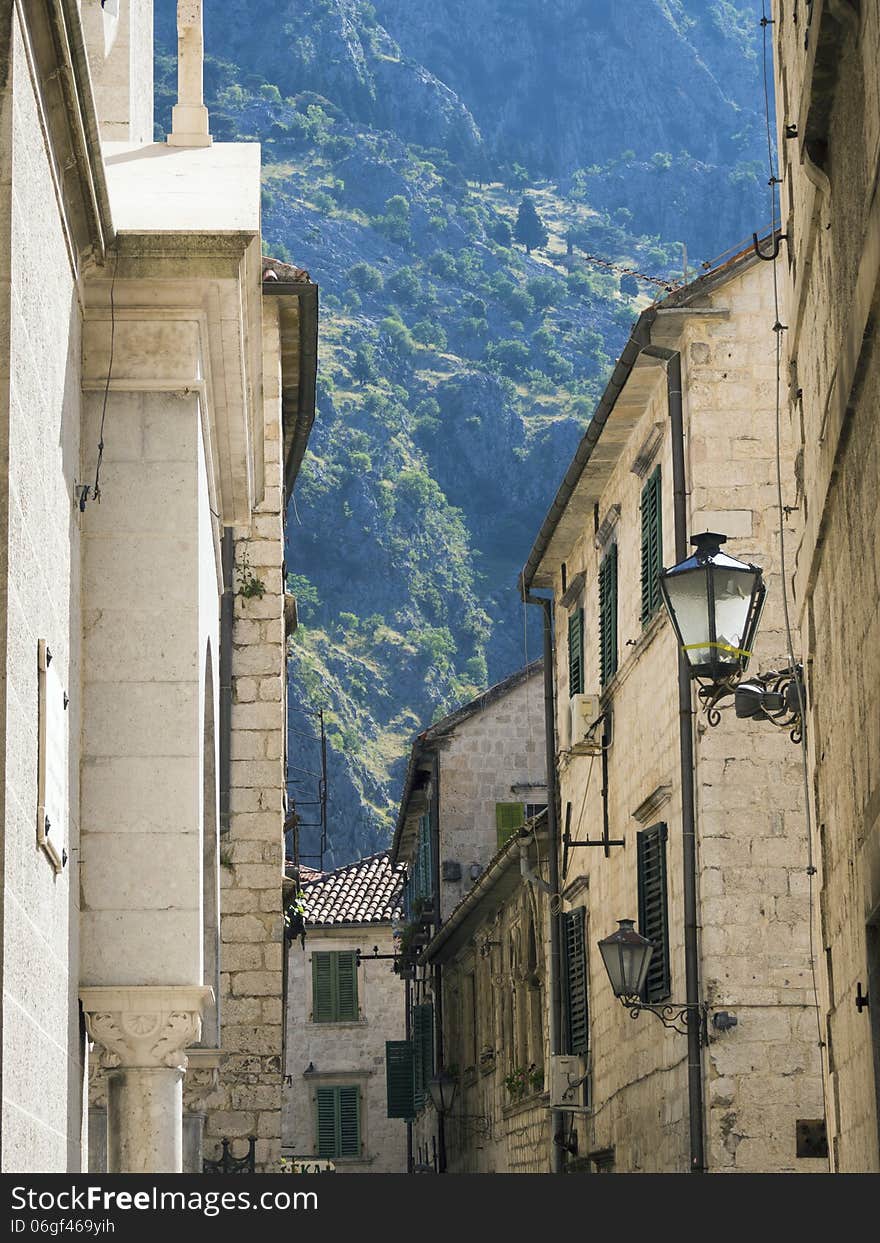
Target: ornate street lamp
x,y
627,956
714,603
443,1088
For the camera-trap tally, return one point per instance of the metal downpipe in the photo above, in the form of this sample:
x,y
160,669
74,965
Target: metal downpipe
x,y
686,752
556,1016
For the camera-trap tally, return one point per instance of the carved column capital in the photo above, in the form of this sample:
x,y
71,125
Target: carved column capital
x,y
147,1027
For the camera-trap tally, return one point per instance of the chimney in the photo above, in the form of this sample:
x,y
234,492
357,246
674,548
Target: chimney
x,y
189,117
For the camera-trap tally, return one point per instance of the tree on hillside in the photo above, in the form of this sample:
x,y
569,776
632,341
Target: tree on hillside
x,y
529,229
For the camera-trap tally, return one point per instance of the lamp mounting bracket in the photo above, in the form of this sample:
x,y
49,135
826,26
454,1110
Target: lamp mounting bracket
x,y
777,696
677,1016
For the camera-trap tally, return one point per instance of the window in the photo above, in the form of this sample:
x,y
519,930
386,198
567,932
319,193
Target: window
x,y
508,818
339,1121
334,987
422,880
512,816
652,546
422,1028
608,615
653,923
399,1079
574,949
469,1021
576,652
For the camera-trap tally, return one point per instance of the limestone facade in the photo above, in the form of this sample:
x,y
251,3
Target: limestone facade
x,y
828,88
151,403
761,1077
321,1054
494,954
488,755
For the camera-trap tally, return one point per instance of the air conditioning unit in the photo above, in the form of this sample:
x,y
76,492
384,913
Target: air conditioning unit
x,y
585,732
569,1083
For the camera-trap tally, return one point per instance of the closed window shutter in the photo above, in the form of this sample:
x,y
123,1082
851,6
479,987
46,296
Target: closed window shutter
x,y
399,1078
508,818
608,615
346,987
652,546
327,1118
653,915
349,1099
576,652
424,887
322,988
423,1050
574,946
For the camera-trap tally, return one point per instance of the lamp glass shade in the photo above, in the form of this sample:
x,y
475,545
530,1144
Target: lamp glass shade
x,y
714,603
443,1088
627,956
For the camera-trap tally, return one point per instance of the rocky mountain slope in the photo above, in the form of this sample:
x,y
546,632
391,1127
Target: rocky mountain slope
x,y
458,370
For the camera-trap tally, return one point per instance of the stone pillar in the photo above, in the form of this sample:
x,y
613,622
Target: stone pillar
x,y
189,117
144,1032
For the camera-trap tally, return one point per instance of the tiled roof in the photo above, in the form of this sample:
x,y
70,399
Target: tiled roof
x,y
366,892
305,875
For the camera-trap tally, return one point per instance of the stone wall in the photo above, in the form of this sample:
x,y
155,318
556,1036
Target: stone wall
x,y
496,1002
247,1101
828,75
495,756
43,1049
753,891
343,1053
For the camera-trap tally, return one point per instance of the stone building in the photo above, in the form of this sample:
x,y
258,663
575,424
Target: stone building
x,y
156,390
472,781
599,552
493,955
827,57
345,1003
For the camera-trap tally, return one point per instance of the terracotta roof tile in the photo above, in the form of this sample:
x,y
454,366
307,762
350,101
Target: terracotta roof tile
x,y
366,892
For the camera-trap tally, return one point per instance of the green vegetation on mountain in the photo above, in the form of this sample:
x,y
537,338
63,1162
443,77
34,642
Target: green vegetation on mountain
x,y
465,337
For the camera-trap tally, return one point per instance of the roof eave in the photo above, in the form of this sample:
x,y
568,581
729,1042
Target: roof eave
x,y
640,338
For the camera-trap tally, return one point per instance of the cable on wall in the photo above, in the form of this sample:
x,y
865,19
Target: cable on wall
x,y
96,488
778,329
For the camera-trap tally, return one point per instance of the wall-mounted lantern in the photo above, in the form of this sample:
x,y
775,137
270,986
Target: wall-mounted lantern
x,y
627,956
714,603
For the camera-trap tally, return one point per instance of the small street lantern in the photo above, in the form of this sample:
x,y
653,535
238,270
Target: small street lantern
x,y
714,603
627,956
443,1088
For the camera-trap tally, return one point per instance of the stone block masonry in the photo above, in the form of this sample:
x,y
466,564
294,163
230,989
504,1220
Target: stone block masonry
x,y
247,1098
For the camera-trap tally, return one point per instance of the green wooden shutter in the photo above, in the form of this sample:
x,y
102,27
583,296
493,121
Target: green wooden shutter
x,y
346,987
399,1079
574,949
423,1050
327,1117
339,1121
576,652
653,914
652,546
322,988
424,885
349,1105
508,818
608,615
